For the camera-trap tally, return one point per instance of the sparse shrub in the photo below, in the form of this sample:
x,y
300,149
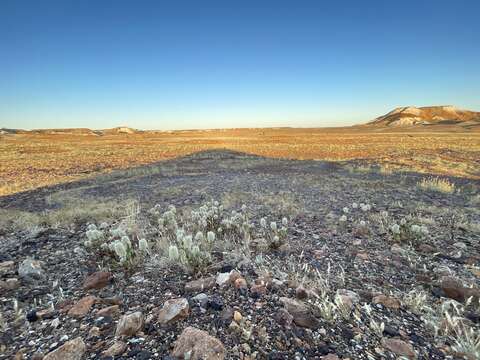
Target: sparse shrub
x,y
377,327
437,184
416,300
327,309
189,239
407,230
467,341
94,236
274,236
3,324
447,322
116,244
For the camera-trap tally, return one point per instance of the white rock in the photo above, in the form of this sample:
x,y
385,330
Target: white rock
x,y
223,279
31,270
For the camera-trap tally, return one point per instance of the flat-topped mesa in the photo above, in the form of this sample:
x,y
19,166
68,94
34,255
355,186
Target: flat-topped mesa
x,y
428,115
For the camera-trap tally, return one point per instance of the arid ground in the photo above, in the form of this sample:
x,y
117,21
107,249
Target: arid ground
x,y
225,255
29,161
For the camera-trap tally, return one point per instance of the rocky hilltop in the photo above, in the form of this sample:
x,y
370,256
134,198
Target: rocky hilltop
x,y
428,116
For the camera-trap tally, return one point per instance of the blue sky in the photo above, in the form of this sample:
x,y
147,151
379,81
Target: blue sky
x,y
212,64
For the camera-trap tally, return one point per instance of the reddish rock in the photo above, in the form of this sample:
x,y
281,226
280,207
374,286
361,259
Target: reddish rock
x,y
426,249
302,316
71,350
423,279
453,288
234,275
94,332
301,292
47,313
240,283
173,310
117,349
387,301
111,311
199,345
65,305
114,300
83,306
97,280
399,347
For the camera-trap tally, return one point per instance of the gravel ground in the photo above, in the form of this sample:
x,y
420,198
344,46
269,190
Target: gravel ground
x,y
359,255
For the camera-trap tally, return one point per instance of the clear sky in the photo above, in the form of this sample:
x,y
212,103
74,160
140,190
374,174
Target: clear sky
x,y
209,64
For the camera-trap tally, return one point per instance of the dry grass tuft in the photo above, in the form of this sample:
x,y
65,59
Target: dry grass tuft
x,y
70,212
437,184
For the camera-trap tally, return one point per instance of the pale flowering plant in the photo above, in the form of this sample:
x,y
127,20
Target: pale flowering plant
x,y
408,230
275,234
116,243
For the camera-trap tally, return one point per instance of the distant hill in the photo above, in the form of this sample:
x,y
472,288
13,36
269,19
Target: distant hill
x,y
428,117
73,131
5,131
120,130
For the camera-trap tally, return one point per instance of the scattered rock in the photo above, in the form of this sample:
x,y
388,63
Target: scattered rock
x,y
460,245
31,270
426,249
117,349
330,357
10,284
390,331
32,315
112,311
114,300
200,284
258,289
55,323
199,345
7,267
97,280
215,303
173,310
362,256
387,301
201,299
301,293
240,284
223,279
130,324
399,347
234,275
47,313
83,306
452,288
284,318
237,316
301,313
397,249
71,350
353,297
94,332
